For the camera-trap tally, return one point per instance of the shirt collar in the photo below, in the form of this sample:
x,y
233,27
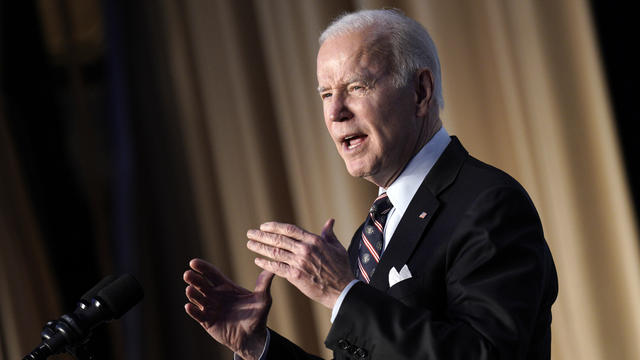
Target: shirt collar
x,y
401,191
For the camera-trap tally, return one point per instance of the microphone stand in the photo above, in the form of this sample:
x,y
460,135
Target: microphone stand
x,y
107,300
80,351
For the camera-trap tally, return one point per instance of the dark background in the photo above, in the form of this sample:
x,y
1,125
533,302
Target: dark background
x,y
617,27
102,170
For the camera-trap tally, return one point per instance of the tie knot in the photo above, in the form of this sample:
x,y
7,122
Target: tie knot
x,y
381,205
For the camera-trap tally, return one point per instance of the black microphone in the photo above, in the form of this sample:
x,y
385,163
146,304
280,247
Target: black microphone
x,y
109,299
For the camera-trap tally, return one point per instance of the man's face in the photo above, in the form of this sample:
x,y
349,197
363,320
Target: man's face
x,y
372,122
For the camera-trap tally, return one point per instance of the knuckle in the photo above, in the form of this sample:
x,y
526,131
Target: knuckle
x,y
269,265
280,253
291,229
271,252
314,241
278,241
296,274
283,267
305,250
299,262
275,252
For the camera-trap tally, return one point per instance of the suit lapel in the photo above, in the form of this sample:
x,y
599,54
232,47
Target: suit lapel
x,y
421,211
406,237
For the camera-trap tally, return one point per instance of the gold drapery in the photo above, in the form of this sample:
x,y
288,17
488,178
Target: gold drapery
x,y
523,89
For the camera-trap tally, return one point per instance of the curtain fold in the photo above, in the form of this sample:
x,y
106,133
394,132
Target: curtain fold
x,y
523,89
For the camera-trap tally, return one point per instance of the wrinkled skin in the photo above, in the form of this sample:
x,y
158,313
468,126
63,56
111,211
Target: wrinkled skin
x,y
317,265
232,315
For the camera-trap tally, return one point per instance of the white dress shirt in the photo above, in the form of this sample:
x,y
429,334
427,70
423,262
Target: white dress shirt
x,y
402,190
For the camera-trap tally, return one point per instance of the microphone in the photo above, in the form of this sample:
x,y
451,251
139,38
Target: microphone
x,y
109,299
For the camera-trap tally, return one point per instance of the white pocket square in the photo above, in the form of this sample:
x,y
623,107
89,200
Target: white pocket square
x,y
395,277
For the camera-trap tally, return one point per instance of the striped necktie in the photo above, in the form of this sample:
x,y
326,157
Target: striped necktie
x,y
371,238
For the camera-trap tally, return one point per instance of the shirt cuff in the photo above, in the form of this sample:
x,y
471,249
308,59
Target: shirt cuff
x,y
264,350
338,303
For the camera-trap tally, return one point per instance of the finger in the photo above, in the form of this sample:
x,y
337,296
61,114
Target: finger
x,y
279,268
196,297
270,251
198,281
264,282
272,239
327,231
209,271
195,313
288,230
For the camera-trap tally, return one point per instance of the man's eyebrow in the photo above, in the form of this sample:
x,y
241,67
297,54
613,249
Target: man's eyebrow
x,y
363,78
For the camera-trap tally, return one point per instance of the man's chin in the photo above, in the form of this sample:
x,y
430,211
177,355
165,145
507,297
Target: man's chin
x,y
361,172
357,171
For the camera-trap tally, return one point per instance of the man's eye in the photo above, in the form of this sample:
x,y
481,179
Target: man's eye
x,y
357,88
325,95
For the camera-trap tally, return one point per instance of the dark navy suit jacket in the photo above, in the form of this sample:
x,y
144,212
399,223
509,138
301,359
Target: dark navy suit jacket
x,y
483,279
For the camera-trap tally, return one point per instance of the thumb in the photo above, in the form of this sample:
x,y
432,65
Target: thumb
x,y
263,284
327,231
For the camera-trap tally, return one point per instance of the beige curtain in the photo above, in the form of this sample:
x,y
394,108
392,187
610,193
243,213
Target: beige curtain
x,y
524,90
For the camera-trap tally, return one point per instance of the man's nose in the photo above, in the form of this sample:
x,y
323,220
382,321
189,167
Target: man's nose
x,y
339,110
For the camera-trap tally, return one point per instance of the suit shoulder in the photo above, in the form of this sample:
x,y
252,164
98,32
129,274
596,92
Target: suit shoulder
x,y
477,179
476,174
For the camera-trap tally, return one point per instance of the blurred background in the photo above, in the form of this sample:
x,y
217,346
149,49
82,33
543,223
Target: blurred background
x,y
135,135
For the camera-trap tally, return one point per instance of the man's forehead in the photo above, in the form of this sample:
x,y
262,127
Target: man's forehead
x,y
345,60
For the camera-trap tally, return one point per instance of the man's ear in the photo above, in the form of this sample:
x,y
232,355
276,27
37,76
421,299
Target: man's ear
x,y
424,92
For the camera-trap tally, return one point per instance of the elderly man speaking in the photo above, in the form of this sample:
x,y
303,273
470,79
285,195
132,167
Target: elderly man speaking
x,y
451,260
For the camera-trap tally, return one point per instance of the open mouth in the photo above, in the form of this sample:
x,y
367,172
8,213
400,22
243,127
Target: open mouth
x,y
353,141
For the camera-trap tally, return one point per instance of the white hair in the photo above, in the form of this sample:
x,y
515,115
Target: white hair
x,y
409,45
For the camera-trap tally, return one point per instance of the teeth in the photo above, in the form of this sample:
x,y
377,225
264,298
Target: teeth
x,y
357,141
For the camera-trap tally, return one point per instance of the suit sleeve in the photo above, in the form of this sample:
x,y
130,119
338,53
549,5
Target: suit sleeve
x,y
500,284
281,348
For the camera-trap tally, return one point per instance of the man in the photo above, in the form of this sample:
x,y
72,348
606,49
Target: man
x,y
451,262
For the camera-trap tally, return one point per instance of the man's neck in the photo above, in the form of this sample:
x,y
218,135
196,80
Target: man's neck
x,y
430,131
